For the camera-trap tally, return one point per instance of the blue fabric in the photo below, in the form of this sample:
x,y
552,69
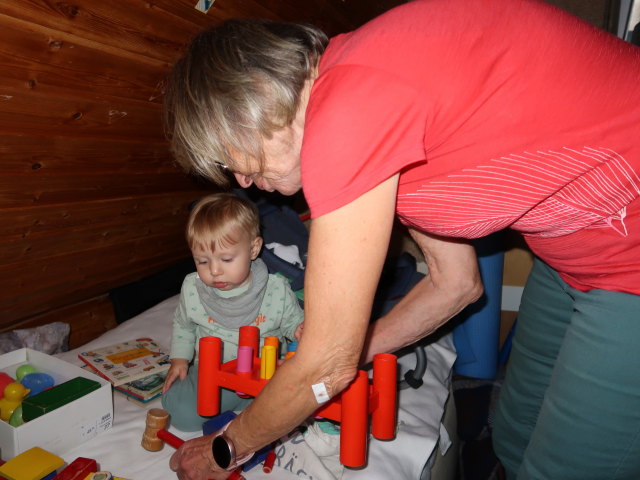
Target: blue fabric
x,y
281,224
570,404
476,337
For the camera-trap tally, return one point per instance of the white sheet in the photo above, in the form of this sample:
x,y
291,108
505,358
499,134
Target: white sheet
x,y
313,456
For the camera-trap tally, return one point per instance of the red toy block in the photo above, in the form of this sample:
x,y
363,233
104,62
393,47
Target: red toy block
x,y
351,408
79,469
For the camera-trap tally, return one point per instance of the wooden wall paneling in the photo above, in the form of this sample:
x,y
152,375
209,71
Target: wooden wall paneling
x,y
35,287
81,122
88,319
125,26
361,11
226,9
318,12
334,16
48,238
20,189
44,219
38,246
28,111
63,155
65,64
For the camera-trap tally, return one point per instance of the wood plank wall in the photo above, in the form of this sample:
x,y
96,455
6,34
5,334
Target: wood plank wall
x,y
89,196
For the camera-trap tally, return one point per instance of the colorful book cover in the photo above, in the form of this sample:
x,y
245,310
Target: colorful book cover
x,y
127,361
144,389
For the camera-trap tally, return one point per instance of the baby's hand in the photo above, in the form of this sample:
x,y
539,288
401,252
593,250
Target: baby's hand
x,y
298,332
179,368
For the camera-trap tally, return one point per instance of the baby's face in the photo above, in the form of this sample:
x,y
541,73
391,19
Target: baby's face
x,y
229,266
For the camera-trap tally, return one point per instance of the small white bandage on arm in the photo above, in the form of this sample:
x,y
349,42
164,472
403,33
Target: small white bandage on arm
x,y
320,392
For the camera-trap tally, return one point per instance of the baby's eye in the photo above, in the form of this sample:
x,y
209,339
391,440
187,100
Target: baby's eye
x,y
201,262
227,260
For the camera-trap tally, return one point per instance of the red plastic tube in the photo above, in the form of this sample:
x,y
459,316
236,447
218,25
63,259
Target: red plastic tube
x,y
269,461
354,422
250,337
210,355
236,475
170,439
383,418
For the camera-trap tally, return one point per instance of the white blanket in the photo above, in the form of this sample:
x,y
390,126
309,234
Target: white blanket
x,y
313,455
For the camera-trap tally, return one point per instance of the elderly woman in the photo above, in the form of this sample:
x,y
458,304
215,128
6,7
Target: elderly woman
x,y
460,118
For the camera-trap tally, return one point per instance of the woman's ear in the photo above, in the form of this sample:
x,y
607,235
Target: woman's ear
x,y
256,245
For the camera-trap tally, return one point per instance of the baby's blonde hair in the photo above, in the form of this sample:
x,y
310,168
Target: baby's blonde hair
x,y
222,219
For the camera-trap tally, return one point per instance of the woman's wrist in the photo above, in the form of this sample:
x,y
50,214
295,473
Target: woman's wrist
x,y
223,451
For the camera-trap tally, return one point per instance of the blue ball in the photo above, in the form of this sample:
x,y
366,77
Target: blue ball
x,y
37,382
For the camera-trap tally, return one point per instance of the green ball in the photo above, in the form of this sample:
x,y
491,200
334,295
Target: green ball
x,y
23,370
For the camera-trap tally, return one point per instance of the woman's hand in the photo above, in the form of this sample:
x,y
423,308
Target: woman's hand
x,y
194,461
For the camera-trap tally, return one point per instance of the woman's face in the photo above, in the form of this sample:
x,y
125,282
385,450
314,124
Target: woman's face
x,y
281,171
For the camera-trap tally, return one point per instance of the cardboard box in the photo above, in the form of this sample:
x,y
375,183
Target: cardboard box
x,y
64,427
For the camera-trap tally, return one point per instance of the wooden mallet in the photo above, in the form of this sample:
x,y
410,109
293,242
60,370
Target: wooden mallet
x,y
155,435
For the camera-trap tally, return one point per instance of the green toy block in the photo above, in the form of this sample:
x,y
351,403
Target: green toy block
x,y
56,397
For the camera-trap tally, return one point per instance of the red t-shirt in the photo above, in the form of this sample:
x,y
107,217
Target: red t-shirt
x,y
501,113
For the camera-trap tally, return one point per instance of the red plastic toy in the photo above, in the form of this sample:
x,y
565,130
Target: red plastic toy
x,y
351,408
79,469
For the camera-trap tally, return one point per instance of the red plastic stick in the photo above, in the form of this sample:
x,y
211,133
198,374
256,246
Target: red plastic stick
x,y
250,337
354,424
210,354
269,461
383,417
236,475
170,438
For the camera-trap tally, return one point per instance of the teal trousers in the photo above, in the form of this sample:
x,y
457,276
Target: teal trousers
x,y
570,404
181,401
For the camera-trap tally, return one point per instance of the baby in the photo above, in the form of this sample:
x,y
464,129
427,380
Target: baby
x,y
231,288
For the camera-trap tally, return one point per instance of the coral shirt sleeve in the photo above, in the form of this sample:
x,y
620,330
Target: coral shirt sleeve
x,y
362,126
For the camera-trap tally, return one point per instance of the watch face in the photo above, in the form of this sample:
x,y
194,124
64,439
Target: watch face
x,y
221,452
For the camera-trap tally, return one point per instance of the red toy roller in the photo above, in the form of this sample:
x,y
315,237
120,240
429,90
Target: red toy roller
x,y
351,408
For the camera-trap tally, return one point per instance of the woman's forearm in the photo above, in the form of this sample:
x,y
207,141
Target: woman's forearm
x,y
453,282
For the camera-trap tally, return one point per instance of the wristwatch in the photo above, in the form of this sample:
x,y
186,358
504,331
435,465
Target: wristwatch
x,y
224,452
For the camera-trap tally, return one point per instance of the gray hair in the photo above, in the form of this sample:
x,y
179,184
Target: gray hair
x,y
236,85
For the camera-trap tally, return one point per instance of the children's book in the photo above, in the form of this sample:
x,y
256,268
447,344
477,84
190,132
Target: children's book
x,y
143,390
127,361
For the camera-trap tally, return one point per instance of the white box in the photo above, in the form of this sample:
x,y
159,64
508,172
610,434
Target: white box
x,y
64,427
